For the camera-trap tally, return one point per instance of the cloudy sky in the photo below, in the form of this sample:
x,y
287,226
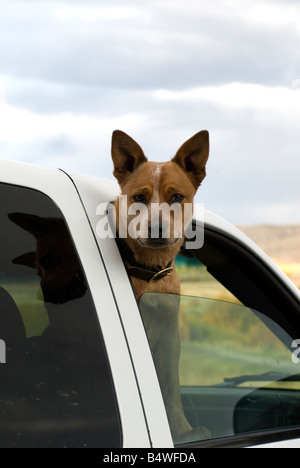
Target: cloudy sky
x,y
72,71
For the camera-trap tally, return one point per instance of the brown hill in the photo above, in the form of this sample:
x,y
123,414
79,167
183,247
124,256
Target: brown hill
x,y
281,243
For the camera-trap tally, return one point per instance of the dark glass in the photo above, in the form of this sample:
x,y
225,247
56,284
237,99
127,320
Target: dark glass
x,y
56,388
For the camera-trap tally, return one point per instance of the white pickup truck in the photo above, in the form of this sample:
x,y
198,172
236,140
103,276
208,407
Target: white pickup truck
x,y
76,368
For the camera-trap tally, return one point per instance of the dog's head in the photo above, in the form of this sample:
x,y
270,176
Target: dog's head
x,y
164,192
55,259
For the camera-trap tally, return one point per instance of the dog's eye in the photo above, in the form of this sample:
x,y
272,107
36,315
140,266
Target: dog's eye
x,y
176,198
140,199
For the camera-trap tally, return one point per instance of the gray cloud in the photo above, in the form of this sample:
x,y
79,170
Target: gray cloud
x,y
158,46
75,70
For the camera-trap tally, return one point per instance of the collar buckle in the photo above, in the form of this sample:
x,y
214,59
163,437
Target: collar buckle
x,y
161,274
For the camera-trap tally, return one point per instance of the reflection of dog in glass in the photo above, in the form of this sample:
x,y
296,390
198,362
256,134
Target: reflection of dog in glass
x,y
65,293
55,259
150,258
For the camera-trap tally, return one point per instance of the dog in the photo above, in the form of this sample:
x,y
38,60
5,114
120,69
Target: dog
x,y
150,258
55,259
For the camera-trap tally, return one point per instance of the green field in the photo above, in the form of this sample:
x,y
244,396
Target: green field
x,y
220,338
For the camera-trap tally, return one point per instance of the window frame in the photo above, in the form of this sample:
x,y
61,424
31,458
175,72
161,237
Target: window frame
x,y
60,188
247,440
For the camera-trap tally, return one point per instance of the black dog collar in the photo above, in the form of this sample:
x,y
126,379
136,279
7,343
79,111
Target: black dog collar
x,y
139,270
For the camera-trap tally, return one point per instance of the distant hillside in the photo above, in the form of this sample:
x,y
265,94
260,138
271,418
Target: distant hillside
x,y
281,243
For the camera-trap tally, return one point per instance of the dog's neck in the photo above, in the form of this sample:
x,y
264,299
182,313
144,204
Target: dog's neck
x,y
140,270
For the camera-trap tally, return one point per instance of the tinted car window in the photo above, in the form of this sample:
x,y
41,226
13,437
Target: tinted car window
x,y
237,374
236,369
56,388
238,359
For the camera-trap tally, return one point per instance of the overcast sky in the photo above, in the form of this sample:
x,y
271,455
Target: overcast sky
x,y
72,71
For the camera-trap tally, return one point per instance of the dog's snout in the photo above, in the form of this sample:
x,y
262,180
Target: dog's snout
x,y
157,230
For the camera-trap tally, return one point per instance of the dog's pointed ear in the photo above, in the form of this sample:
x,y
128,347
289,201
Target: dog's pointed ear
x,y
28,259
34,224
192,156
126,154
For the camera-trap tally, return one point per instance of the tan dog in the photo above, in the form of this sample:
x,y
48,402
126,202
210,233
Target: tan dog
x,y
150,257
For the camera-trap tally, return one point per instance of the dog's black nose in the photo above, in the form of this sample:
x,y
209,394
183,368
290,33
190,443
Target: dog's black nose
x,y
157,230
